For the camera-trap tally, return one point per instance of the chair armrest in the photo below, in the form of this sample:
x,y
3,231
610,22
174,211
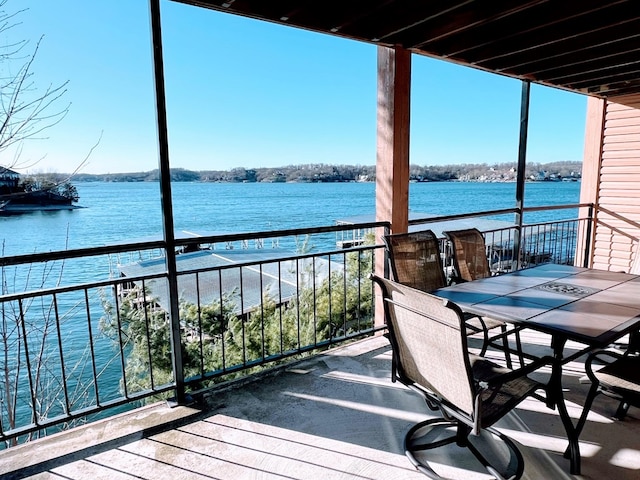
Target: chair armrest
x,y
520,372
597,354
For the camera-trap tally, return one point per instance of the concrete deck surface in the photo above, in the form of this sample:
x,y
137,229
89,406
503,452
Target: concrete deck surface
x,y
334,416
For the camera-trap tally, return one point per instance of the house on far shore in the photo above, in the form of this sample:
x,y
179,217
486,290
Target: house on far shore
x,y
8,180
17,198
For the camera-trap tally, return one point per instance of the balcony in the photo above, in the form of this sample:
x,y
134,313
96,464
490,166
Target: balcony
x,y
335,415
340,403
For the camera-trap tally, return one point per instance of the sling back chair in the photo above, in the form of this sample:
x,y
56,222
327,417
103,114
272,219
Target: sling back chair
x,y
619,379
414,260
429,346
470,262
470,259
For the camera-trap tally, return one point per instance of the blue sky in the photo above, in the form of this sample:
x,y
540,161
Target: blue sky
x,y
243,93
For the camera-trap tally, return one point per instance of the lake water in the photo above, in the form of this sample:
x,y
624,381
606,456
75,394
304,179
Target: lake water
x,y
117,212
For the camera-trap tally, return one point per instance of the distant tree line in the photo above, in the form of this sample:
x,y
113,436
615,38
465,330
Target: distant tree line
x,y
323,173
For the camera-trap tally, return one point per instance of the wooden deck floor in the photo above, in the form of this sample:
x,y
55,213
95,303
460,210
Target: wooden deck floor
x,y
335,416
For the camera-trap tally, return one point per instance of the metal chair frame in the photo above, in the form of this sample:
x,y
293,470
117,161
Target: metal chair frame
x,y
415,260
471,263
429,345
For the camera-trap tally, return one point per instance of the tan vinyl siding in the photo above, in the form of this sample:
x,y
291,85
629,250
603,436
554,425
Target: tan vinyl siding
x,y
616,178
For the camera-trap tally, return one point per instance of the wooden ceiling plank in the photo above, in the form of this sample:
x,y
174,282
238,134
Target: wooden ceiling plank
x,y
454,24
527,29
615,78
544,40
271,10
597,71
616,93
617,40
337,16
399,16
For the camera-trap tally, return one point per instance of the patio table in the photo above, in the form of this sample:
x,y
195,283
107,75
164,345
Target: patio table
x,y
592,307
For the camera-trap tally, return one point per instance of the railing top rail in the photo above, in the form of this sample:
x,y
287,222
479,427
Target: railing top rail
x,y
149,245
42,292
557,207
503,211
79,252
137,278
291,256
444,218
223,238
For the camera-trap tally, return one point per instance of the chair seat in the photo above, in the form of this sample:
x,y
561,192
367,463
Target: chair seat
x,y
621,376
503,397
476,324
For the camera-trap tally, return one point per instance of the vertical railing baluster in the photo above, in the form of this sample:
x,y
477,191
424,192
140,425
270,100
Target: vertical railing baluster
x,y
243,319
298,301
359,283
280,307
315,303
27,356
63,369
94,368
344,299
121,345
200,328
224,325
264,354
330,303
147,322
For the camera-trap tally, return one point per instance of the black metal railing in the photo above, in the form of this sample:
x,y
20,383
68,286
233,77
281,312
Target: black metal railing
x,y
74,350
86,333
512,247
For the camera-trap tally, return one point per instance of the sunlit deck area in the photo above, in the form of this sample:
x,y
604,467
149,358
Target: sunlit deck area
x,y
336,415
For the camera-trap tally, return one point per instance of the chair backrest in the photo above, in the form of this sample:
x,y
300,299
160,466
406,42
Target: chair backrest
x,y
469,254
415,260
429,343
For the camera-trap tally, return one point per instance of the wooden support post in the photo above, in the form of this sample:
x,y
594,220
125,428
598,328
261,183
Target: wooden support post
x,y
590,184
392,162
392,159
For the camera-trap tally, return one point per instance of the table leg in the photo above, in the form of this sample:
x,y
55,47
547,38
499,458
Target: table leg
x,y
555,390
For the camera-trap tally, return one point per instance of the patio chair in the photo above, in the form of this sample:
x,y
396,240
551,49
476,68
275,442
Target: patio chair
x,y
415,261
618,379
429,346
470,259
470,262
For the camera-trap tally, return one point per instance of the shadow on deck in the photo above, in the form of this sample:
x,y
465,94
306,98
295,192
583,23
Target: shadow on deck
x,y
334,416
